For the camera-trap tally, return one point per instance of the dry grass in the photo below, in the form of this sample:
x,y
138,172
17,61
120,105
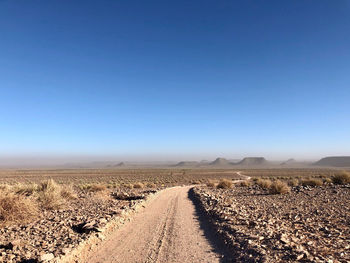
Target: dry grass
x,y
25,189
16,208
312,182
327,180
151,185
138,185
94,187
246,183
49,195
293,182
264,183
342,178
211,184
279,187
130,186
224,184
67,192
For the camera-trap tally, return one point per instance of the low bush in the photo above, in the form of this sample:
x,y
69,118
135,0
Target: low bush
x,y
211,184
342,178
67,192
279,187
49,195
312,182
246,183
151,185
264,183
293,182
224,184
327,180
129,186
96,187
138,185
25,189
16,208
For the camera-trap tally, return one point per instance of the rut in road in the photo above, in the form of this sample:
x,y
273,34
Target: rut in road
x,y
167,230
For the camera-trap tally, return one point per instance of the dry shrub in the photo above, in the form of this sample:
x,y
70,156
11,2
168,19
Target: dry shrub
x,y
264,183
130,186
102,195
4,187
312,182
16,208
279,187
25,189
293,182
246,183
49,195
151,185
96,187
342,178
67,192
224,184
327,180
138,185
211,183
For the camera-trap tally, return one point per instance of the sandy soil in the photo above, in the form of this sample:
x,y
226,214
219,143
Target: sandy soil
x,y
169,229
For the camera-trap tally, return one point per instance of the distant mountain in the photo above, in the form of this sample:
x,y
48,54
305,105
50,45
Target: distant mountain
x,y
220,161
233,161
289,161
253,161
186,164
119,164
334,161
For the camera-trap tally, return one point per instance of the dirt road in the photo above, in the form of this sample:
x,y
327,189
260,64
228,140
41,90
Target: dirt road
x,y
169,229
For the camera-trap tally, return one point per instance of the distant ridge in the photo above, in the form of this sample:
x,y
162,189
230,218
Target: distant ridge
x,y
119,164
334,161
220,161
253,161
186,163
289,161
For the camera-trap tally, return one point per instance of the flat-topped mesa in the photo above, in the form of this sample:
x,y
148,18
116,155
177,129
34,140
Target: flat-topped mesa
x,y
220,161
334,161
186,164
253,161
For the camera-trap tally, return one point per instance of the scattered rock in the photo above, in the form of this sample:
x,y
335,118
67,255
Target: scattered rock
x,y
47,257
310,224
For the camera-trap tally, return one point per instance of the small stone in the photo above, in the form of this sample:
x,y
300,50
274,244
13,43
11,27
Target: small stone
x,y
47,257
100,236
65,251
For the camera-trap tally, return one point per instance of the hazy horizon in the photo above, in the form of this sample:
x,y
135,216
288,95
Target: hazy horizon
x,y
38,161
154,80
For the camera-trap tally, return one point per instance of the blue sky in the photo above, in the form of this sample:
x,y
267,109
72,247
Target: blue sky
x,y
174,79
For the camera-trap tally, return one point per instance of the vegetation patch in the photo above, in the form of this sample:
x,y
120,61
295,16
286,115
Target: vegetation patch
x,y
312,182
279,187
224,184
264,183
342,178
15,208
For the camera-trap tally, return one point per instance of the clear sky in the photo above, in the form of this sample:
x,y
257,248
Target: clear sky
x,y
166,79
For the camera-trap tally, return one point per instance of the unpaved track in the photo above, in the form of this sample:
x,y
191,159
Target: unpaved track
x,y
167,230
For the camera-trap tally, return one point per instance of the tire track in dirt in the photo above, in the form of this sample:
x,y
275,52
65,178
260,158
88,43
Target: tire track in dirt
x,y
166,230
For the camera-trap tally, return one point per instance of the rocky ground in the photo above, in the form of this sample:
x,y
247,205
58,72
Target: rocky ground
x,y
57,232
310,224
